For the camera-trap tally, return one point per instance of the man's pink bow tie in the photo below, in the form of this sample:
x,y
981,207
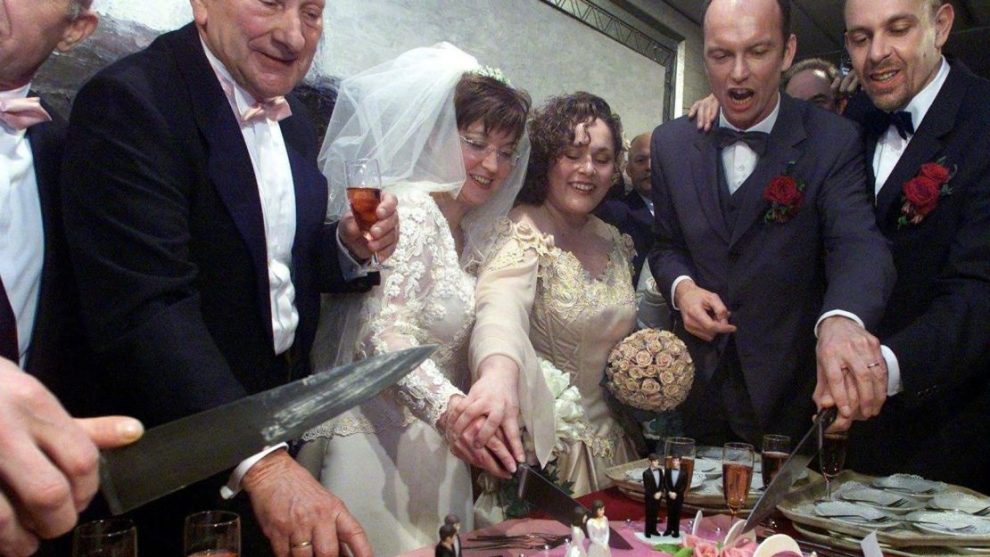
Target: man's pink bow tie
x,y
23,113
275,109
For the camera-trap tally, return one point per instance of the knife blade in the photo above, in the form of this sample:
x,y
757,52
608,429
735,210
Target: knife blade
x,y
805,450
534,488
179,453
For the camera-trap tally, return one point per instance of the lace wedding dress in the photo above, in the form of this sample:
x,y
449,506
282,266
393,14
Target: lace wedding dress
x,y
385,459
536,300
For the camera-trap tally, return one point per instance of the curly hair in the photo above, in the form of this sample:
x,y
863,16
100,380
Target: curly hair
x,y
500,107
551,131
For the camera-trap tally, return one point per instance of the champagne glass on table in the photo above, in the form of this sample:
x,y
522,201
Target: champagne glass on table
x,y
115,537
737,475
832,457
364,193
682,448
776,450
212,534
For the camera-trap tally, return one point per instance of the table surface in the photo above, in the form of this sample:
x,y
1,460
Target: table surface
x,y
618,508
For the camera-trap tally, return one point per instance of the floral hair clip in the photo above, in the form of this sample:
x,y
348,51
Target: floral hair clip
x,y
493,73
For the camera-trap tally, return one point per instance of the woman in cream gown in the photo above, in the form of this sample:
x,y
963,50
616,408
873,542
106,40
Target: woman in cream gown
x,y
447,140
558,287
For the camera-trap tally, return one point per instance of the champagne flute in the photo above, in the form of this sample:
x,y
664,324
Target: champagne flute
x,y
212,534
832,457
737,475
115,537
682,448
776,450
364,193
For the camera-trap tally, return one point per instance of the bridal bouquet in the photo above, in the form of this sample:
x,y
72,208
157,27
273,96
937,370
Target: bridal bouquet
x,y
650,370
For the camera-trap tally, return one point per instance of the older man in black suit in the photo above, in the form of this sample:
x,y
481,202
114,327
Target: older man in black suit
x,y
766,237
928,135
49,463
195,214
633,213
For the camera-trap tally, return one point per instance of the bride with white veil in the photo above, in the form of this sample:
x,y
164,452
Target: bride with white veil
x,y
449,137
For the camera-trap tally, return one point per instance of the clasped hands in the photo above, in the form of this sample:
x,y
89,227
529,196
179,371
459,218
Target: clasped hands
x,y
482,428
852,373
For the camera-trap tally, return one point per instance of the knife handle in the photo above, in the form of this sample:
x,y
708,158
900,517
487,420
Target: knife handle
x,y
827,417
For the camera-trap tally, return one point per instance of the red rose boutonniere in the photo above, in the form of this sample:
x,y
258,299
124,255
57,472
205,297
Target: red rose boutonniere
x,y
921,193
785,196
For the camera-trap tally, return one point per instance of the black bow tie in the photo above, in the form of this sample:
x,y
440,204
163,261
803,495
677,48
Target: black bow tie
x,y
878,122
757,141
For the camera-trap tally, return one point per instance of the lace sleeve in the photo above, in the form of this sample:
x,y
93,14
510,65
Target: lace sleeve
x,y
398,312
504,299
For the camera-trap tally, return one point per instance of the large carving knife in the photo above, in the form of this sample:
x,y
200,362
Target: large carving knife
x,y
547,497
805,450
172,456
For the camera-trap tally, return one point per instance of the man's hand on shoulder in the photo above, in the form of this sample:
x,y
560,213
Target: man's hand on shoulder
x,y
382,237
705,316
852,373
297,514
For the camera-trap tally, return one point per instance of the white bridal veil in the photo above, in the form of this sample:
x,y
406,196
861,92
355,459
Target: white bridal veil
x,y
401,113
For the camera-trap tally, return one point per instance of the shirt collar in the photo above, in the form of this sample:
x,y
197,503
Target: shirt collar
x,y
240,100
919,105
765,125
19,93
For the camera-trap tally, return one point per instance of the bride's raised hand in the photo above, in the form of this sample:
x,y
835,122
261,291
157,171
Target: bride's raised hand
x,y
493,401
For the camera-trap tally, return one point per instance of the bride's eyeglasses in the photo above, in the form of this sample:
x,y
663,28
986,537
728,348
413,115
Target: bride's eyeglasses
x,y
480,149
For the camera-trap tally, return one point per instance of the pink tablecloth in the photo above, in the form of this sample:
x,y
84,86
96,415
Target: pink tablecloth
x,y
712,528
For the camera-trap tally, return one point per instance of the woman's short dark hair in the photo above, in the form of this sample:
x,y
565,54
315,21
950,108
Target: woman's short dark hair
x,y
500,107
551,131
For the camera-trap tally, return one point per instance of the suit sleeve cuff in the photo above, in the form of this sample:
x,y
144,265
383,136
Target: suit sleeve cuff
x,y
350,269
673,290
894,384
840,313
233,486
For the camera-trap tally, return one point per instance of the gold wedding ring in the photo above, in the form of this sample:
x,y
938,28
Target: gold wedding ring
x,y
874,364
301,545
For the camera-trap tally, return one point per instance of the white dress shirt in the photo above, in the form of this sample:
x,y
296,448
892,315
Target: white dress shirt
x,y
739,159
649,202
265,145
22,235
890,146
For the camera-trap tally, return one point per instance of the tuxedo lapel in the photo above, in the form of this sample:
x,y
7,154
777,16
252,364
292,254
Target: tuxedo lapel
x,y
46,151
229,165
310,200
871,176
705,173
925,146
786,134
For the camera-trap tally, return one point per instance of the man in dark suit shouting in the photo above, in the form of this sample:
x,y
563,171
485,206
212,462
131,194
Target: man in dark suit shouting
x,y
195,214
765,236
928,136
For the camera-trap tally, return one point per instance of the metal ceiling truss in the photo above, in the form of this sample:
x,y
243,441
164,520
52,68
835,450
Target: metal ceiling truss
x,y
663,50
